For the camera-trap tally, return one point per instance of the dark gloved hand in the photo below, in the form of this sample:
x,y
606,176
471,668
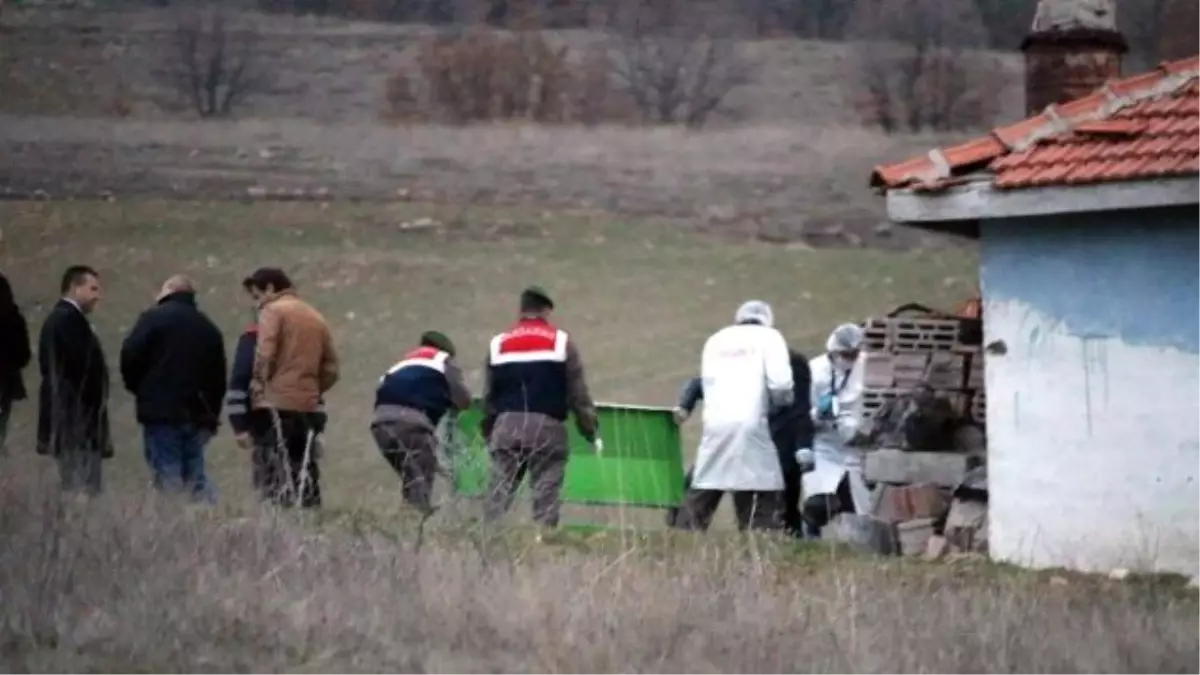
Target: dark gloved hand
x,y
486,425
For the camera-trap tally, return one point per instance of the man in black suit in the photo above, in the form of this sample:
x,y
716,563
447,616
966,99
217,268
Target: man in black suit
x,y
173,362
73,400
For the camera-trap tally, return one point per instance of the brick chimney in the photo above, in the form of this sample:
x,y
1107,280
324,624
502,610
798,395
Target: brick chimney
x,y
1072,49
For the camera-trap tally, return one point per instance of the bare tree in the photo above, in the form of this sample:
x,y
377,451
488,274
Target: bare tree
x,y
677,60
215,68
918,64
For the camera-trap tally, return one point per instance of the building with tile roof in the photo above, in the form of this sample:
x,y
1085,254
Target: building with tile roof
x,y
1088,219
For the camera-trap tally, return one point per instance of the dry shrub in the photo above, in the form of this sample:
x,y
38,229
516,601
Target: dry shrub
x,y
482,75
125,584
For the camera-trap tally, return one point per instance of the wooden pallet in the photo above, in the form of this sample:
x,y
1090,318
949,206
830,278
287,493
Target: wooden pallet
x,y
876,334
905,334
923,335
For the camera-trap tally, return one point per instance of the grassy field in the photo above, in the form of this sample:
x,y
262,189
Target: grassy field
x,y
133,585
640,297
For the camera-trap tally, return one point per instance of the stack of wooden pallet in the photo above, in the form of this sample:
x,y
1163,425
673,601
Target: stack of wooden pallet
x,y
904,352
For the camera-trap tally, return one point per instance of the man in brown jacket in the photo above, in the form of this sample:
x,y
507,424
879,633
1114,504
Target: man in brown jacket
x,y
534,378
294,365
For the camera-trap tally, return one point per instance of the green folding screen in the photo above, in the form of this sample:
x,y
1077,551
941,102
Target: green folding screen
x,y
641,464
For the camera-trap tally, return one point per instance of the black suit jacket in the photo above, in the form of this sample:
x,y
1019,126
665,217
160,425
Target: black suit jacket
x,y
73,398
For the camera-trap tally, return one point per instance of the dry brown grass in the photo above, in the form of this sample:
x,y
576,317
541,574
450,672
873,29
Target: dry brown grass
x,y
133,585
807,182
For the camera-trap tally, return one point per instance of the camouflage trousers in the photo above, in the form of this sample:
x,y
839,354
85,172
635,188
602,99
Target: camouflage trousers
x,y
521,444
407,440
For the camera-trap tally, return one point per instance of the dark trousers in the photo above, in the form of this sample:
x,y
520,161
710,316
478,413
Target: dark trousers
x,y
6,406
792,520
410,447
533,444
285,467
788,501
175,454
754,510
820,509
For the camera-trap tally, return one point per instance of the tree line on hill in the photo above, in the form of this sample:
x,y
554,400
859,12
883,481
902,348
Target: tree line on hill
x,y
915,65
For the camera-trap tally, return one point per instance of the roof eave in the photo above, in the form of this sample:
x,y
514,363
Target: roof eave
x,y
983,201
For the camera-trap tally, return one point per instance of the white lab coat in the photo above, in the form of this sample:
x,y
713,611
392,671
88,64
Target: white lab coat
x,y
745,370
831,458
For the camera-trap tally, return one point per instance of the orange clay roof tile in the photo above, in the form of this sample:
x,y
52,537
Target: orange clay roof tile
x,y
1145,126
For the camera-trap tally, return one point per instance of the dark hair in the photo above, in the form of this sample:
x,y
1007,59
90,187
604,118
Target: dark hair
x,y
76,275
267,276
533,300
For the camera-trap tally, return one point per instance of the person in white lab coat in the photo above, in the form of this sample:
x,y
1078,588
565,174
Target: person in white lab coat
x,y
835,484
746,373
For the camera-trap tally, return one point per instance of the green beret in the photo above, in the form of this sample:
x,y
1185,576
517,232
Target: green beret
x,y
437,340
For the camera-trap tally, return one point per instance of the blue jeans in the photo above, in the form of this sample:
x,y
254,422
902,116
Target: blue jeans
x,y
176,458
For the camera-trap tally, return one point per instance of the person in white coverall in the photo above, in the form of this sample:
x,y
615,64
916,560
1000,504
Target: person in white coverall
x,y
835,483
746,373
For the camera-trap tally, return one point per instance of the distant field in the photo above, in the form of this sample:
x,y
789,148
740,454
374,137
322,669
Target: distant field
x,y
639,296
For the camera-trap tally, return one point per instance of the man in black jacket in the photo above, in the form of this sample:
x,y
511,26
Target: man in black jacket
x,y
174,362
791,429
15,355
73,397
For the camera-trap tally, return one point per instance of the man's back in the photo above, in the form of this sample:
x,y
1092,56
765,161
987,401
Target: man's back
x,y
174,363
740,366
294,358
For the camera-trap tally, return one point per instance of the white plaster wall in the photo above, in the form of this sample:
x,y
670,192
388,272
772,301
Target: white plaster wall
x,y
1093,448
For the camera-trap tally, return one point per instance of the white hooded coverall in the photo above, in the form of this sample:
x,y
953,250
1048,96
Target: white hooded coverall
x,y
745,370
831,458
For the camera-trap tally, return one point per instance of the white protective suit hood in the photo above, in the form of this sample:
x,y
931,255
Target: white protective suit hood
x,y
845,338
756,311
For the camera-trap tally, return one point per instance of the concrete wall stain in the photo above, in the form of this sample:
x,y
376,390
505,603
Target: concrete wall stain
x,y
1093,408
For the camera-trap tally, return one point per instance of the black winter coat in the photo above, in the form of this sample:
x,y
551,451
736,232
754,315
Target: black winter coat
x,y
73,397
174,362
15,352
